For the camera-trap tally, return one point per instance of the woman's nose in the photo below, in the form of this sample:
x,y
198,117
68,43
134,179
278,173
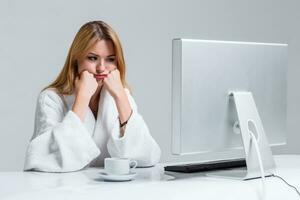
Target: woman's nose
x,y
100,67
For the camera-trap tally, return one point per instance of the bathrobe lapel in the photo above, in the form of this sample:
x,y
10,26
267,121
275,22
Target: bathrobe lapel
x,y
106,118
89,121
101,127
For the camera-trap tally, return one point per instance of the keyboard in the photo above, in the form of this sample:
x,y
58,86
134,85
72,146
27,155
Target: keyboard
x,y
207,166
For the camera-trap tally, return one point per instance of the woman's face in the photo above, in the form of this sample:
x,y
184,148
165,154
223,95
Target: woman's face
x,y
99,60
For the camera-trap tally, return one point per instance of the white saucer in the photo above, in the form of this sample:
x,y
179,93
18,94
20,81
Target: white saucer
x,y
115,177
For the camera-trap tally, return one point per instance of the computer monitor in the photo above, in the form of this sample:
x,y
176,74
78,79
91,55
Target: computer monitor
x,y
204,73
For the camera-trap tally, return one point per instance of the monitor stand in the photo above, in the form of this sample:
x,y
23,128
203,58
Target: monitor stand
x,y
250,126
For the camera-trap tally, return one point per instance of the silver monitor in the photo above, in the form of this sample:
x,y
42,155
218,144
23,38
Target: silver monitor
x,y
204,72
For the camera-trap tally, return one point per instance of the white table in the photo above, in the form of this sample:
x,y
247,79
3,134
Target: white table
x,y
150,183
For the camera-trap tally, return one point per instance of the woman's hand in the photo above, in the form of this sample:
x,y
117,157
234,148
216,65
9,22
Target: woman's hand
x,y
85,85
113,84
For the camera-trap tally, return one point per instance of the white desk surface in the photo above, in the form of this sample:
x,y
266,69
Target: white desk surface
x,y
150,183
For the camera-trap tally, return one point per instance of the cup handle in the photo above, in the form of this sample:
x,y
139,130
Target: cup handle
x,y
133,164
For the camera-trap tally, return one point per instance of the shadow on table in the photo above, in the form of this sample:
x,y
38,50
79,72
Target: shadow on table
x,y
177,175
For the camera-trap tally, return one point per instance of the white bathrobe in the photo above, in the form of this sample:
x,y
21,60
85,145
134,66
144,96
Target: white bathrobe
x,y
62,143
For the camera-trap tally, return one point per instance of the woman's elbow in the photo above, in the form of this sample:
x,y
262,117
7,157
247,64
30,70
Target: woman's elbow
x,y
152,159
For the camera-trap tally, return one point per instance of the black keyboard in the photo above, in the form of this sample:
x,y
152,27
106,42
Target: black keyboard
x,y
207,166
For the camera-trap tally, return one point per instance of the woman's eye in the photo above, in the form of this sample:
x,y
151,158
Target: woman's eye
x,y
92,58
111,59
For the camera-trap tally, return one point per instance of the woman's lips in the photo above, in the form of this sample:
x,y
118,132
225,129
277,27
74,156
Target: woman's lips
x,y
100,76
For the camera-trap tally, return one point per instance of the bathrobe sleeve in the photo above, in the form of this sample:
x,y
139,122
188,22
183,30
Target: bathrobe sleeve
x,y
60,142
137,142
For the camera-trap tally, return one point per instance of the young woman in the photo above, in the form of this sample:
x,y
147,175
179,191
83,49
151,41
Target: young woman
x,y
87,113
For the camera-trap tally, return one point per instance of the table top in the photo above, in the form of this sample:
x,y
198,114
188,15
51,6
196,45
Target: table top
x,y
150,183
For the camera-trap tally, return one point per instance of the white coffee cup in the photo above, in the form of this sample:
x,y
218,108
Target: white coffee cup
x,y
119,166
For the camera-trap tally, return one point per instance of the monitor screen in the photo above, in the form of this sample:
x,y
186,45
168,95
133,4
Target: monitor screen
x,y
204,72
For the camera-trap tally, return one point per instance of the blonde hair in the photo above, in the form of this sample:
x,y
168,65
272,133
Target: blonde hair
x,y
87,36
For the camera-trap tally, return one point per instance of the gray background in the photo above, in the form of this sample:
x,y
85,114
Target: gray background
x,y
35,37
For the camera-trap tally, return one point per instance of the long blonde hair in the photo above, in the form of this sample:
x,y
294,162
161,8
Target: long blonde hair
x,y
87,35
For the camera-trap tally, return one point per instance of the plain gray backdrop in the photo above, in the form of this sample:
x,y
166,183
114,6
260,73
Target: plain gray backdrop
x,y
36,35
